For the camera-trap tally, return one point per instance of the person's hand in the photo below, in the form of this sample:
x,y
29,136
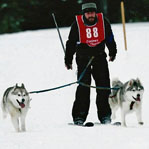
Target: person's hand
x,y
112,58
68,66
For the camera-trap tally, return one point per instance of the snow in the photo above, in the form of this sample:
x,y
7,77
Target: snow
x,y
35,58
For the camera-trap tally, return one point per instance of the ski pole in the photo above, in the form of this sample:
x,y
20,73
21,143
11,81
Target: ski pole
x,y
58,32
82,74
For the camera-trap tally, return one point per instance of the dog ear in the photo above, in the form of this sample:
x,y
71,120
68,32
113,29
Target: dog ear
x,y
22,85
138,80
140,83
131,82
16,85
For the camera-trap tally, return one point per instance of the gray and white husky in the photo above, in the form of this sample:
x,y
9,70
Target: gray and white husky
x,y
128,97
16,102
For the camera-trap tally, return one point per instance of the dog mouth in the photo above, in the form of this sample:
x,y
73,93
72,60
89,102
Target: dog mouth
x,y
21,104
136,99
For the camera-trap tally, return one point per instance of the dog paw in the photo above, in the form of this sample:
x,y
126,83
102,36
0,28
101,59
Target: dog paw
x,y
18,130
23,130
123,125
141,123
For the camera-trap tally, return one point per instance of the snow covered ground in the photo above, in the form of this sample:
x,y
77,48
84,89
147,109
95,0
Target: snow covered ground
x,y
35,58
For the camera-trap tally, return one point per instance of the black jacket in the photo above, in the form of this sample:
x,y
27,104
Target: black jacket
x,y
83,49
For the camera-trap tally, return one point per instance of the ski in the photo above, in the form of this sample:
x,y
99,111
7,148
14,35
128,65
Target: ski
x,y
91,124
113,124
87,124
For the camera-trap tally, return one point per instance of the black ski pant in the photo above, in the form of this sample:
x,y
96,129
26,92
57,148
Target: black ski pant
x,y
100,72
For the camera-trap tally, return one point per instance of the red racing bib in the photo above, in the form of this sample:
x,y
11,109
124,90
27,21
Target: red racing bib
x,y
91,35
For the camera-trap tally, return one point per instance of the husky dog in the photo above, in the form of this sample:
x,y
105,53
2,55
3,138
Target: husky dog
x,y
128,97
16,102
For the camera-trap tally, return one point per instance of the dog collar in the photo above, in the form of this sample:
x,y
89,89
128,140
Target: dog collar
x,y
113,96
20,110
131,105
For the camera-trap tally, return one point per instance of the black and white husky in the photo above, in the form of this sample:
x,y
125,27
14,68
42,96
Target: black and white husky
x,y
16,102
128,97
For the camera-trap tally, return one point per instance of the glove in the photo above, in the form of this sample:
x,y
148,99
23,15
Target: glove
x,y
112,58
68,66
68,62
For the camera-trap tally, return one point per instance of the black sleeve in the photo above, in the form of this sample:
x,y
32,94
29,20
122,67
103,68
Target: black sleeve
x,y
109,38
71,43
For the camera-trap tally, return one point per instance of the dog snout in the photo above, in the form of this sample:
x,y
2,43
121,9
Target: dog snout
x,y
138,95
23,100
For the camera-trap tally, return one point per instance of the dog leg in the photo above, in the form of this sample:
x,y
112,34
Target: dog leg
x,y
114,106
114,109
123,117
23,127
113,116
15,122
139,116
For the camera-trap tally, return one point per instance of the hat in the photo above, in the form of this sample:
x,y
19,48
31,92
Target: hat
x,y
89,7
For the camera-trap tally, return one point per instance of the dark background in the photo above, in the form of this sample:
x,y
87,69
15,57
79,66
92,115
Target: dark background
x,y
21,15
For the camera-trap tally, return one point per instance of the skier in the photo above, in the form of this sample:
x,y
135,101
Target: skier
x,y
88,36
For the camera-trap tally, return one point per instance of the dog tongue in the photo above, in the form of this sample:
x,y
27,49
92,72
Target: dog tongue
x,y
22,105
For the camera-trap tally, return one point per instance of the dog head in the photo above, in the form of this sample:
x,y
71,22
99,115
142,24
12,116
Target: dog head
x,y
134,90
19,96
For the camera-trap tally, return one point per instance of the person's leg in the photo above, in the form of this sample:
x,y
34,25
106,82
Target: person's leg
x,y
101,75
82,99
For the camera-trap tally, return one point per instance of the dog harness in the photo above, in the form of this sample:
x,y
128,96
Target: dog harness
x,y
91,35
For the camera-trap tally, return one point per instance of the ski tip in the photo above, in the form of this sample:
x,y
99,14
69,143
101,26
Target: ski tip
x,y
89,124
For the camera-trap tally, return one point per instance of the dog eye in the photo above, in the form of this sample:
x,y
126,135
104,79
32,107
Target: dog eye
x,y
133,90
139,89
19,95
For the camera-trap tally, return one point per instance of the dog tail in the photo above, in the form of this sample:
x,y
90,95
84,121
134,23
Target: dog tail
x,y
3,105
116,83
4,102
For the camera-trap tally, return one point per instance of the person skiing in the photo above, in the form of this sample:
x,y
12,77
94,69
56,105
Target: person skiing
x,y
89,34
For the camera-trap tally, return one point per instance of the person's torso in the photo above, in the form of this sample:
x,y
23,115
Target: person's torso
x,y
92,35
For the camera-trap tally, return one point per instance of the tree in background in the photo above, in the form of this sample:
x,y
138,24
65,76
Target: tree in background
x,y
10,21
135,10
20,15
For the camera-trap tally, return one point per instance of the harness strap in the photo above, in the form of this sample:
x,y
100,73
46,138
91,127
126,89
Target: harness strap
x,y
82,74
99,87
80,83
46,90
112,96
